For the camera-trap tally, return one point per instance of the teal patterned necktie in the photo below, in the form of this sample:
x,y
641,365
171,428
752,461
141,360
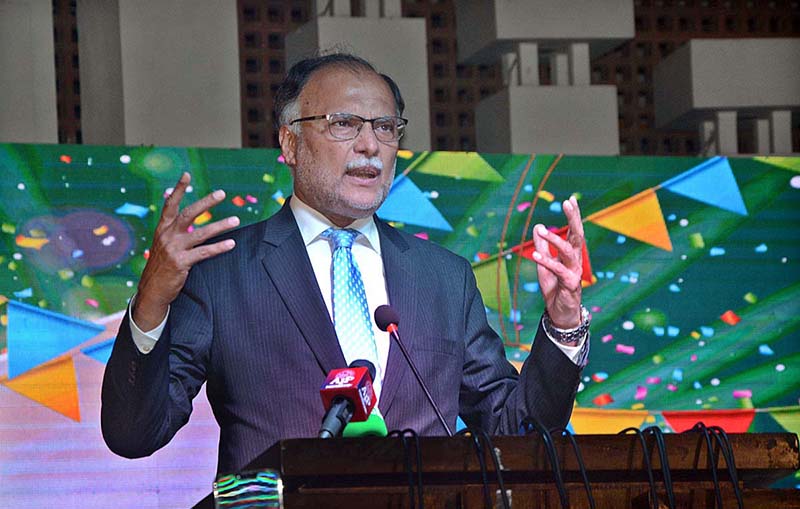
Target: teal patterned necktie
x,y
351,317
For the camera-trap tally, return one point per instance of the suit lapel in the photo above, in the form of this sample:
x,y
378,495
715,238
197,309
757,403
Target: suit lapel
x,y
401,287
286,261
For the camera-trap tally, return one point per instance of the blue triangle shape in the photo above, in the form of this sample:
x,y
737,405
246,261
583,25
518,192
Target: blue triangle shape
x,y
711,182
36,335
101,351
407,204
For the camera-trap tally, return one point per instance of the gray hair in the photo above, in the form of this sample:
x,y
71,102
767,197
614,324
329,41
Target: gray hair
x,y
286,107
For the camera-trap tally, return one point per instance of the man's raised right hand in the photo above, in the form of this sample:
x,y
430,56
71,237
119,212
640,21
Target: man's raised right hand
x,y
175,250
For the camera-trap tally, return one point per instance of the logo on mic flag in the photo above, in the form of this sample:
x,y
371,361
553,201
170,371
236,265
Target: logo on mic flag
x,y
342,378
366,391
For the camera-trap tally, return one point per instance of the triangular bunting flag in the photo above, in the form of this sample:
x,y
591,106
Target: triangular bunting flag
x,y
711,182
526,250
787,163
461,165
787,417
53,385
732,421
407,204
36,335
486,277
100,352
595,421
638,217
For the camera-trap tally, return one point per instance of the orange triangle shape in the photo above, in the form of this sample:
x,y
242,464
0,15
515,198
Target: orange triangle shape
x,y
595,420
53,385
638,217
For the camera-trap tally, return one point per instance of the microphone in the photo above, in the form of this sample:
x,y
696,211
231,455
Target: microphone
x,y
347,394
387,319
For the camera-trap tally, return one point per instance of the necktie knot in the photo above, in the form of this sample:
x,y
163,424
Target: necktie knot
x,y
341,237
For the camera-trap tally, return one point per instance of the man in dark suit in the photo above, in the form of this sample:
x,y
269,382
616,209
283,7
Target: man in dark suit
x,y
251,312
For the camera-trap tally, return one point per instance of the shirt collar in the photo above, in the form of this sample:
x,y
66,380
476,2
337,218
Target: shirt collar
x,y
312,223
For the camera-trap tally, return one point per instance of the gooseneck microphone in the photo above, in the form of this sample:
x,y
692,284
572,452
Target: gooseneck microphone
x,y
387,319
347,395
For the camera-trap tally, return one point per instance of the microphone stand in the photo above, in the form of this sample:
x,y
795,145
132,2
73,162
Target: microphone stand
x,y
393,333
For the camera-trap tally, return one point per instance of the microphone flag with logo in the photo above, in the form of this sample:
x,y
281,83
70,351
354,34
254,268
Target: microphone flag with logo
x,y
347,395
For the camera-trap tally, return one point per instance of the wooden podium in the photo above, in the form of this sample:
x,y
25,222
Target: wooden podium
x,y
373,472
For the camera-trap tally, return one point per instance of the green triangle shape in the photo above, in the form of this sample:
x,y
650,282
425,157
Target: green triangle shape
x,y
486,278
459,165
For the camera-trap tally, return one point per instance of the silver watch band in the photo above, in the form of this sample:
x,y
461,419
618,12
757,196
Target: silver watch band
x,y
566,336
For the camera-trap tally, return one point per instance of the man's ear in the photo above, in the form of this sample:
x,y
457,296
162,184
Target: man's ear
x,y
288,140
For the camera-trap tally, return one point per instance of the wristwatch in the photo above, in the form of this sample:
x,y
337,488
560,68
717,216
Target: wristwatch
x,y
566,336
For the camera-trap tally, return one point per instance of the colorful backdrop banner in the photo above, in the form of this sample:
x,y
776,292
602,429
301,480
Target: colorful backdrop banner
x,y
691,272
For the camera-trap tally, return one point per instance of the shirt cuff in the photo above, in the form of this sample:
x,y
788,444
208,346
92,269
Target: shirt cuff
x,y
145,341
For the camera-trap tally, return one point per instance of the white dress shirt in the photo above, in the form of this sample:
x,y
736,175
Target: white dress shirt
x,y
367,255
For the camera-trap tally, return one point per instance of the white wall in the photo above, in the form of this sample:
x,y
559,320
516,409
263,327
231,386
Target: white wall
x,y
672,86
487,28
745,72
102,111
28,111
752,76
557,19
573,120
492,123
180,72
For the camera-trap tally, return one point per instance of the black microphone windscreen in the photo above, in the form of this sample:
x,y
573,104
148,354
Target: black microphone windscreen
x,y
364,363
385,316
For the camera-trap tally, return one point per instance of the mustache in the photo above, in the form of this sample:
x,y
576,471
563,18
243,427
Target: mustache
x,y
361,162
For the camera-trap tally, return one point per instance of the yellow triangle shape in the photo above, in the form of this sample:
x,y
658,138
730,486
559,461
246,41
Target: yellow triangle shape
x,y
638,217
486,277
595,421
787,163
53,385
787,417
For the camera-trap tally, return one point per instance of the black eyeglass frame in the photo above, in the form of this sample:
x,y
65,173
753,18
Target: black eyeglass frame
x,y
402,123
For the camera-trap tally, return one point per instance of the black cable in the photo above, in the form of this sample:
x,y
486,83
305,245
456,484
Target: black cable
x,y
730,461
712,460
531,423
648,465
487,499
420,485
497,468
664,459
581,464
409,470
700,427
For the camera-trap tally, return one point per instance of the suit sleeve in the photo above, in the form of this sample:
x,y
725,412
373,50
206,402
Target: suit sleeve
x,y
147,398
497,399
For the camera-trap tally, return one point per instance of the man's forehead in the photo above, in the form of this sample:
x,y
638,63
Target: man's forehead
x,y
328,80
335,70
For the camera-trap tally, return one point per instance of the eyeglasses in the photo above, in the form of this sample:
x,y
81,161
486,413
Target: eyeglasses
x,y
346,126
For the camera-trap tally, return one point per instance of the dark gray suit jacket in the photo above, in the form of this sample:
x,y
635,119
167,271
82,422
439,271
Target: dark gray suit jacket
x,y
253,325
